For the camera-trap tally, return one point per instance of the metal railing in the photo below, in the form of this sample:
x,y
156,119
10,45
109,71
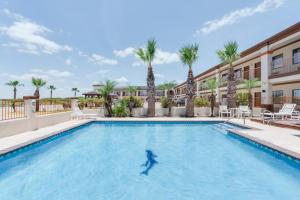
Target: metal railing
x,y
12,109
286,67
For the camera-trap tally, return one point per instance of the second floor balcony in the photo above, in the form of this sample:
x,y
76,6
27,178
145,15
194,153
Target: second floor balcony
x,y
284,67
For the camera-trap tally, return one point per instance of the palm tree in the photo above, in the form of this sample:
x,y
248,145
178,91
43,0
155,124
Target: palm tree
x,y
131,90
212,85
51,88
249,85
167,87
14,84
147,55
38,83
75,90
228,56
189,55
106,91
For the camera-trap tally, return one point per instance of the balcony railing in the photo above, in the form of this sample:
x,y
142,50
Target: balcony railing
x,y
12,109
287,67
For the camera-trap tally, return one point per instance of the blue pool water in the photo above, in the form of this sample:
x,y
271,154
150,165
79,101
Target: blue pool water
x,y
103,161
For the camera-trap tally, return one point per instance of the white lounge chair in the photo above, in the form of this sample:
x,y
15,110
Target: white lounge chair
x,y
243,111
287,110
223,109
78,114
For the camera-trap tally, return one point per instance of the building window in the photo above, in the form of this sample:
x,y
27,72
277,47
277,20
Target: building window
x,y
257,70
296,96
296,56
224,77
238,73
277,62
277,97
246,72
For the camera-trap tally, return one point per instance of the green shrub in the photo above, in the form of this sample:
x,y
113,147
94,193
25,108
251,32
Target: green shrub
x,y
201,102
138,101
90,102
120,109
241,99
164,102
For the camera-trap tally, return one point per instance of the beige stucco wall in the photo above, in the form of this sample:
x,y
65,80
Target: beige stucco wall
x,y
287,88
287,51
13,127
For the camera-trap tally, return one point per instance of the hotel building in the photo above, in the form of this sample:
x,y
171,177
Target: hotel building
x,y
121,92
275,62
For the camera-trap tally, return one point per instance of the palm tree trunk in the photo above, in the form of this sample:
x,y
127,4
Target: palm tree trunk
x,y
15,97
51,97
15,93
151,92
212,103
108,106
250,99
190,94
231,88
37,104
169,103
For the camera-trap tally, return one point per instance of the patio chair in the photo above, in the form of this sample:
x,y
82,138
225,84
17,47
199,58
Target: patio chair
x,y
223,109
287,110
243,111
78,114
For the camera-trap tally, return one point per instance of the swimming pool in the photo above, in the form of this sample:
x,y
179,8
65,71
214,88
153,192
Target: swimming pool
x,y
102,160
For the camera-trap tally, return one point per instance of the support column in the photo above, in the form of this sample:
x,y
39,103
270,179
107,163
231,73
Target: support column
x,y
251,71
217,89
266,89
74,104
29,108
197,88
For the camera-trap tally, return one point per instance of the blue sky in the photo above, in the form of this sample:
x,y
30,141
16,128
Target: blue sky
x,y
77,43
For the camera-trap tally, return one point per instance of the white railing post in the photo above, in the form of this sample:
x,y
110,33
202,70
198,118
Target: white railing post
x,y
29,108
74,104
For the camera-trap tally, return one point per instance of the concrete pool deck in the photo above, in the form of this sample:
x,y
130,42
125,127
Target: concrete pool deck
x,y
281,139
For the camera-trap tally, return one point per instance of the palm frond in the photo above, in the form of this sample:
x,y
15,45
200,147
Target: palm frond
x,y
251,83
167,85
151,49
147,55
108,88
230,52
212,84
141,54
189,54
38,82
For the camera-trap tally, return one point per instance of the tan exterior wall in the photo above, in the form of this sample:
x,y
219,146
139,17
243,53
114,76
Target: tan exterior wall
x,y
287,51
13,127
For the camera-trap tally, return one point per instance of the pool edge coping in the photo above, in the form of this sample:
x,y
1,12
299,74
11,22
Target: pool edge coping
x,y
272,146
21,145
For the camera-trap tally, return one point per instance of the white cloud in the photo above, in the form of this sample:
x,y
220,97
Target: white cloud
x,y
165,57
30,37
80,53
124,53
100,60
102,71
52,72
159,76
236,15
161,57
121,80
23,77
68,61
